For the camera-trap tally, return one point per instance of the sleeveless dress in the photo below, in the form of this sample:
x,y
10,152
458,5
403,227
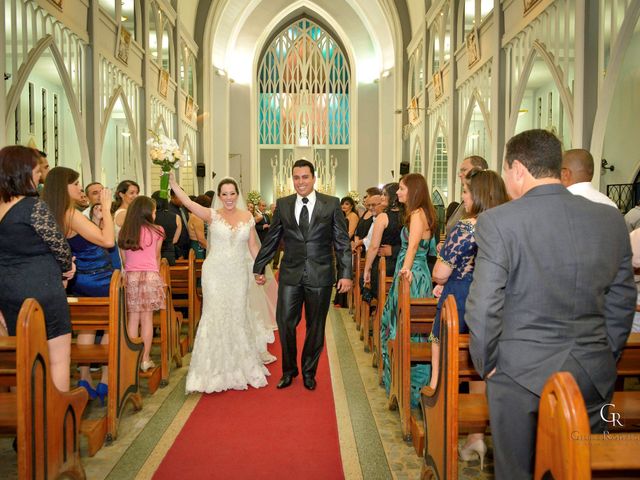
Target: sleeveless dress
x,y
93,269
227,349
420,288
459,252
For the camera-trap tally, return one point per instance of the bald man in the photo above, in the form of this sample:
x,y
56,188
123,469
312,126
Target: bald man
x,y
576,175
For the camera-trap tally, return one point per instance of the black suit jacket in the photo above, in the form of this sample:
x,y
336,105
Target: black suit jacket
x,y
327,231
260,230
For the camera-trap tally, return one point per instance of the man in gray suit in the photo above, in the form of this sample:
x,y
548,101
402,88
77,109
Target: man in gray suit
x,y
552,291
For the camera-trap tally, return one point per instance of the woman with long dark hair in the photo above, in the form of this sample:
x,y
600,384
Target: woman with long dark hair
x,y
419,226
88,244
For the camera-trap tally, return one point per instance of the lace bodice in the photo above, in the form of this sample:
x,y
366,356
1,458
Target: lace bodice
x,y
228,241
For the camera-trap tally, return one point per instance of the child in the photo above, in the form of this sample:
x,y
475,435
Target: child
x,y
140,241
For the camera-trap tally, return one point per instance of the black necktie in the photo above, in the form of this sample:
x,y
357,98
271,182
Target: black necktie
x,y
303,221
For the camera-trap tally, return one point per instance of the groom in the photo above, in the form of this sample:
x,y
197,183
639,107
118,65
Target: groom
x,y
312,226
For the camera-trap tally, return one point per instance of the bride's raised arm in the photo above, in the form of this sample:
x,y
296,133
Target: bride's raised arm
x,y
202,212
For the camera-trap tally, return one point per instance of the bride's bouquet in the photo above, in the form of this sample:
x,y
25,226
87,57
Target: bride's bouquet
x,y
165,152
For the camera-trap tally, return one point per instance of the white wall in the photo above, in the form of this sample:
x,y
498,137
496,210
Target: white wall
x,y
240,135
368,133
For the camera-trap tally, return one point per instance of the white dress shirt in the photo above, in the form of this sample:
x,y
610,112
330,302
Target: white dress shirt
x,y
586,190
310,205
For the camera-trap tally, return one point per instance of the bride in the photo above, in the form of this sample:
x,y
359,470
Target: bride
x,y
230,348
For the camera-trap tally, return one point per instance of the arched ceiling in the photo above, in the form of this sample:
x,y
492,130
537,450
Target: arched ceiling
x,y
239,29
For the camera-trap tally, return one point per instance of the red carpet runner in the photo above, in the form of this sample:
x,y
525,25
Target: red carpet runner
x,y
261,433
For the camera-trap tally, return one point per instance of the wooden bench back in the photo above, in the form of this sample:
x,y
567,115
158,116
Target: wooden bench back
x,y
414,316
565,447
439,406
384,286
357,275
183,287
169,326
48,421
124,353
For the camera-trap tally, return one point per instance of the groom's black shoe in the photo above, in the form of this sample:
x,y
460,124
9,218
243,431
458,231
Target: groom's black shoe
x,y
309,383
286,380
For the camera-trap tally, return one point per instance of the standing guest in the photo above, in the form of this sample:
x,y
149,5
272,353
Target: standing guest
x,y
312,227
419,224
576,175
262,219
468,164
43,164
172,226
141,241
198,229
634,237
387,229
88,243
371,200
83,203
33,247
184,242
93,194
211,194
348,206
632,218
126,192
453,273
96,214
541,301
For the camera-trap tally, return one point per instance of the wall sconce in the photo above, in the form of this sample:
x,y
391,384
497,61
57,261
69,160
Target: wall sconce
x,y
605,165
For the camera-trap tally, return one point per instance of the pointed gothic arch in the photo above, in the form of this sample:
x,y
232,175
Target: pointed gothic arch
x,y
474,100
566,97
13,96
187,178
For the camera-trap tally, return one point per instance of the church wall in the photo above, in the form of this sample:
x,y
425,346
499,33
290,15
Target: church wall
x,y
240,135
368,145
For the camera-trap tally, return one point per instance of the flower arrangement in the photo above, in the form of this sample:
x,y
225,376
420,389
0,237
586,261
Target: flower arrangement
x,y
254,197
165,152
355,196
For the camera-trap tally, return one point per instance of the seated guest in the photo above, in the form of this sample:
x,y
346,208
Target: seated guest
x,y
33,257
419,223
552,291
198,229
386,231
172,226
576,175
88,244
453,273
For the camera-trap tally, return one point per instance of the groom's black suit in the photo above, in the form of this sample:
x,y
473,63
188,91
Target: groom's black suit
x,y
306,275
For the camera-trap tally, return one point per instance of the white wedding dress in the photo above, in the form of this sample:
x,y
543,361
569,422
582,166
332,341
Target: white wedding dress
x,y
230,344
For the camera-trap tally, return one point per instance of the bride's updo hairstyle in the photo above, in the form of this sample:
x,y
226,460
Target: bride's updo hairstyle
x,y
228,181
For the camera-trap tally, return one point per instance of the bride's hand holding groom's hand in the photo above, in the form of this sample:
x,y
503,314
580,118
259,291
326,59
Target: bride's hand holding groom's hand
x,y
260,279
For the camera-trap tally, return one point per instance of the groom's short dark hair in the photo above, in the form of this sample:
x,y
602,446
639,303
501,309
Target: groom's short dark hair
x,y
304,163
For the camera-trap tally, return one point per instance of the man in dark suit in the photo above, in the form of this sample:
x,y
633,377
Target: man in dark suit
x,y
264,222
552,291
312,226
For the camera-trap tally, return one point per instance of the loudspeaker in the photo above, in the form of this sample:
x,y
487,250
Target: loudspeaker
x,y
404,168
200,170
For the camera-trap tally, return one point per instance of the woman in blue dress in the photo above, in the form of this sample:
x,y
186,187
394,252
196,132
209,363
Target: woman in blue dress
x,y
88,245
419,223
453,272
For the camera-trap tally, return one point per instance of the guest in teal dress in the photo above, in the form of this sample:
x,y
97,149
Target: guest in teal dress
x,y
420,222
88,244
453,272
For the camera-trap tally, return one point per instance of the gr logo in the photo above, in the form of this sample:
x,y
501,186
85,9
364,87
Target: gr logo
x,y
615,416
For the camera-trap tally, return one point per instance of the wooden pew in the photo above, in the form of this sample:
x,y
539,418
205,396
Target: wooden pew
x,y
415,316
183,287
446,412
46,421
169,322
565,447
384,285
122,355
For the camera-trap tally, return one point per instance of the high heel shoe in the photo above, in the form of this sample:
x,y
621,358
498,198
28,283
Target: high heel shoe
x,y
102,390
478,446
92,393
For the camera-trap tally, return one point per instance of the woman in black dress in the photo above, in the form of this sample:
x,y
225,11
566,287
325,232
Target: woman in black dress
x,y
172,226
34,256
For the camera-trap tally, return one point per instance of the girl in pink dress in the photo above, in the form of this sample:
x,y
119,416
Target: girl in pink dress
x,y
140,242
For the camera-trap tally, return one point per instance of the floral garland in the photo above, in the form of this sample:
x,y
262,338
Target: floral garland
x,y
165,152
